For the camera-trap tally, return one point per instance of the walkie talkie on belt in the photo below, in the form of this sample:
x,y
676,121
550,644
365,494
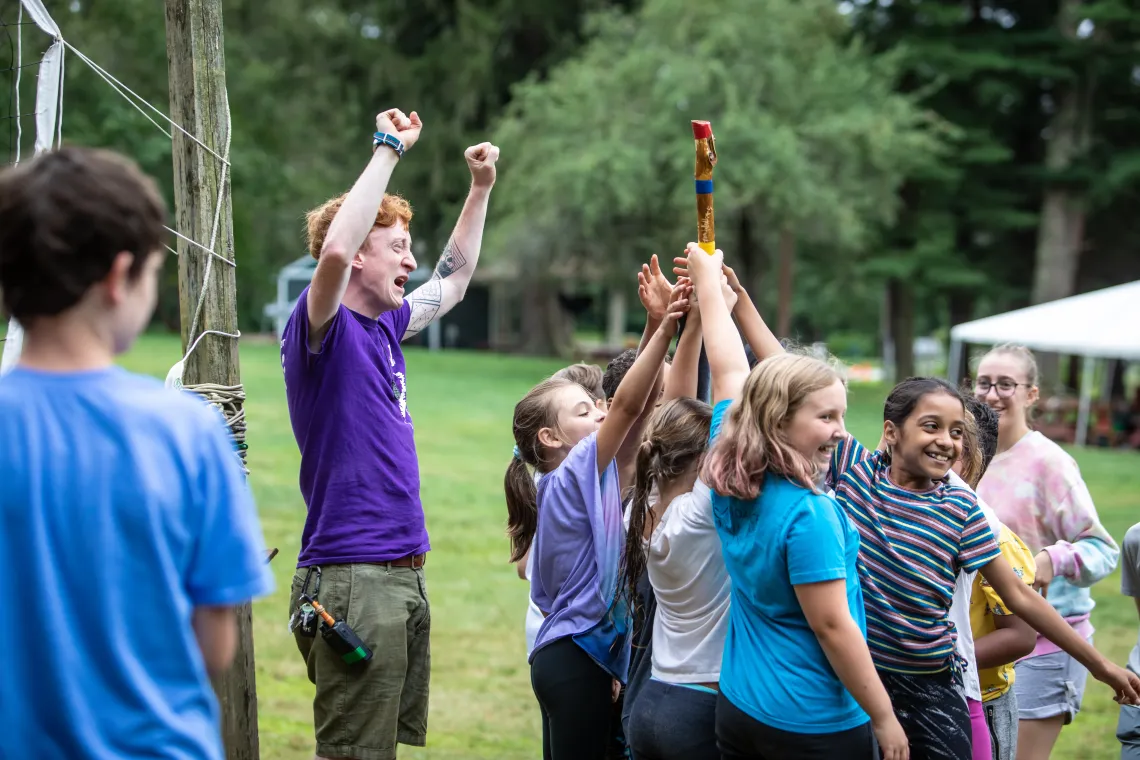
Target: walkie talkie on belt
x,y
339,636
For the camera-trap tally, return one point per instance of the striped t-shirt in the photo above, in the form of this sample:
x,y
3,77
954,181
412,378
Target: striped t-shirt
x,y
912,547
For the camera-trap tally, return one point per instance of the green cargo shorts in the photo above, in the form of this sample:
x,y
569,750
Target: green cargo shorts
x,y
362,710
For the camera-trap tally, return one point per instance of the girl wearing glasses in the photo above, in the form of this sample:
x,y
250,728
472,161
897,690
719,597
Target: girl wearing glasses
x,y
1036,489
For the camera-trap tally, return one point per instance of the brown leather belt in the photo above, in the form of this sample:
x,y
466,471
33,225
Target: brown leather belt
x,y
415,561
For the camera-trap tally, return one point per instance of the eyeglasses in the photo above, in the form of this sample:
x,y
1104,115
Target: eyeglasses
x,y
1005,388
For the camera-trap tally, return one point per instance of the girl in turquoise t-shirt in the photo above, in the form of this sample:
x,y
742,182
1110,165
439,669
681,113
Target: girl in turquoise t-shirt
x,y
797,678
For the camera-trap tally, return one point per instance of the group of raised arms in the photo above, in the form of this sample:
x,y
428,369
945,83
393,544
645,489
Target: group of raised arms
x,y
746,580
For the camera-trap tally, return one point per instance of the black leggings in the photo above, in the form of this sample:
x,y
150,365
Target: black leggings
x,y
576,699
742,737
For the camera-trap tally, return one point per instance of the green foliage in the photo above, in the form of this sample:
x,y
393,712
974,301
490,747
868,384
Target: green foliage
x,y
305,83
809,131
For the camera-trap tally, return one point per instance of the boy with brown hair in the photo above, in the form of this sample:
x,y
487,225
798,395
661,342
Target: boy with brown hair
x,y
129,533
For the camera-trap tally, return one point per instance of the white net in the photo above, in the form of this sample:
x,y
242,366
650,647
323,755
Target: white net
x,y
48,113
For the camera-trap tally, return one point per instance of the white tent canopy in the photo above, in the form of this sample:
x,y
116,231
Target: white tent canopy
x,y
1103,324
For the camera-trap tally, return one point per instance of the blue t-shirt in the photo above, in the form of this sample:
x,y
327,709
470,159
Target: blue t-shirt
x,y
122,508
774,668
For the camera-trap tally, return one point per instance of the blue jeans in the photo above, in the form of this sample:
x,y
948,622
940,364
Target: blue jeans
x,y
671,722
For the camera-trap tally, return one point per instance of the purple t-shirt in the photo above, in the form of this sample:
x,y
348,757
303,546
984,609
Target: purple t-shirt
x,y
577,553
348,406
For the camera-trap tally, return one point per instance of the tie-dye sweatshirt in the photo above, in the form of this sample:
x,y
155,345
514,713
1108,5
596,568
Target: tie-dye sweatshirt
x,y
1036,489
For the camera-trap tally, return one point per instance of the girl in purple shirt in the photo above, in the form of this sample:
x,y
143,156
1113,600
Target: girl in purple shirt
x,y
582,648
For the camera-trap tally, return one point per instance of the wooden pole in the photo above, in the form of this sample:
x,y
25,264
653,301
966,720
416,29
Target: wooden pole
x,y
198,102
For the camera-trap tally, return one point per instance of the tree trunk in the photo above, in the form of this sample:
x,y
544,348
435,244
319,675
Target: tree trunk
x,y
886,335
901,304
546,329
961,306
1060,231
748,261
785,280
617,310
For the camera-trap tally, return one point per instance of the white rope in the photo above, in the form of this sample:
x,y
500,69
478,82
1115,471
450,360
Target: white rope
x,y
120,87
204,333
210,251
19,68
213,229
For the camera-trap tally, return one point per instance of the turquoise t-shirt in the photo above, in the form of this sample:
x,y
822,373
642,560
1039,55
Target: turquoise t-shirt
x,y
774,668
122,508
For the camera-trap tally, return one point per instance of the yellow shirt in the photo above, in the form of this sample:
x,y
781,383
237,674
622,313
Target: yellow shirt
x,y
985,603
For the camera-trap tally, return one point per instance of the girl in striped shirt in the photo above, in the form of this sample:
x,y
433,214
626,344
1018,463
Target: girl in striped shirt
x,y
917,531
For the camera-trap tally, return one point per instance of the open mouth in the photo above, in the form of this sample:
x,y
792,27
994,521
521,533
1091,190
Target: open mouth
x,y
826,449
939,457
400,281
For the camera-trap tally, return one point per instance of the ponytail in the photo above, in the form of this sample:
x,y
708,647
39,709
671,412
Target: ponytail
x,y
634,559
675,441
522,507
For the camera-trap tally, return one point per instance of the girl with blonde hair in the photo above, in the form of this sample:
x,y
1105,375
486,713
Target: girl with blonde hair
x,y
797,678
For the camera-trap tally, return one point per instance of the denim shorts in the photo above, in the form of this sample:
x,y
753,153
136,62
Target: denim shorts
x,y
1050,685
362,710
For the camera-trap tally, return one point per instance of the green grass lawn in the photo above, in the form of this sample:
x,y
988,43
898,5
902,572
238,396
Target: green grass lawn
x,y
481,701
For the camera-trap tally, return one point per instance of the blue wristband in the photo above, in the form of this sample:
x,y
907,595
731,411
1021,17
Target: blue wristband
x,y
393,142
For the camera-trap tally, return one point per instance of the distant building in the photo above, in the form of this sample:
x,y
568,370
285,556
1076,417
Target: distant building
x,y
485,319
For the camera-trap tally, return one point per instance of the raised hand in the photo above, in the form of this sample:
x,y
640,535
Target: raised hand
x,y
699,268
654,289
481,160
677,307
395,122
732,279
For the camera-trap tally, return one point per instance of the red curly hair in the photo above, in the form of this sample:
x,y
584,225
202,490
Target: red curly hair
x,y
392,209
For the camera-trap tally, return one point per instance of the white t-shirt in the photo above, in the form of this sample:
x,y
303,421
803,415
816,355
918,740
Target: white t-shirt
x,y
533,613
686,569
960,606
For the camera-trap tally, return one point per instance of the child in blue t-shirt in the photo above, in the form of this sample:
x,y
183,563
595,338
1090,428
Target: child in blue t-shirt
x,y
128,531
797,678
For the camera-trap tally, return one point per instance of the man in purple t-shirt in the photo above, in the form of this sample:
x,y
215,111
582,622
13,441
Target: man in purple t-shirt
x,y
364,541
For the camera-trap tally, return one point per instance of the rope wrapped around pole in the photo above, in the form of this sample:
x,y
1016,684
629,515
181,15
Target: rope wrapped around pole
x,y
230,401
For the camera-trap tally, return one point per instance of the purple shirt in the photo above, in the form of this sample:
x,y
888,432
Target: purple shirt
x,y
348,406
577,552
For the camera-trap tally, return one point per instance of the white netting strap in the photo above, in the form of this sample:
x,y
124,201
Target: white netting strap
x,y
128,93
19,68
210,251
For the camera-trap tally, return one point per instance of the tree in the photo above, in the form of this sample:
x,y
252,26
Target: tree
x,y
1041,92
811,135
